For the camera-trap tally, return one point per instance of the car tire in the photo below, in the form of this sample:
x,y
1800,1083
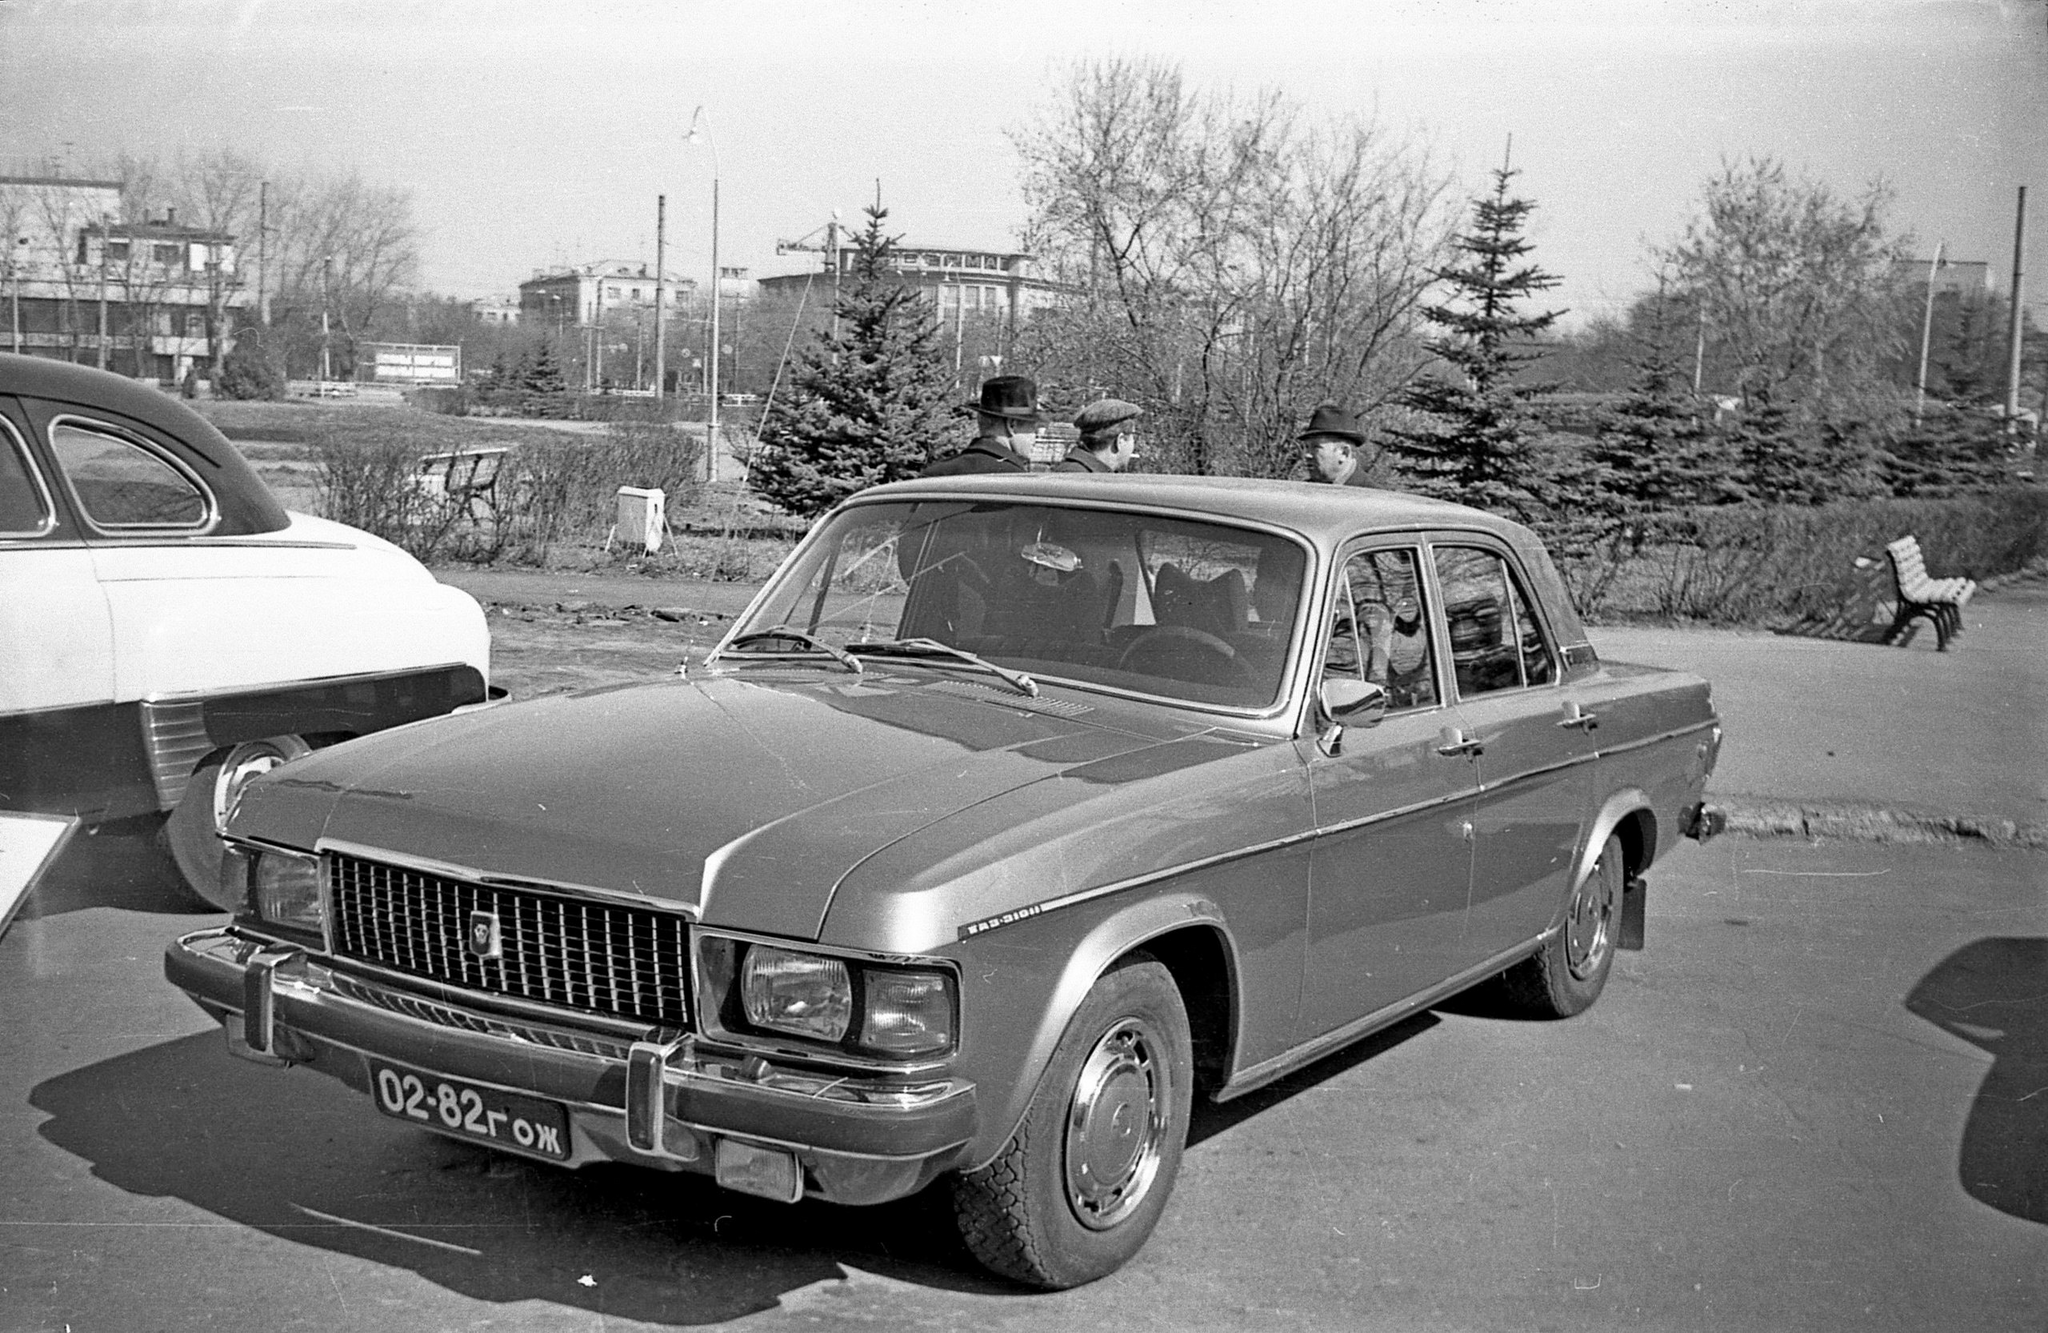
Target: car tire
x,y
1041,1212
1567,974
193,829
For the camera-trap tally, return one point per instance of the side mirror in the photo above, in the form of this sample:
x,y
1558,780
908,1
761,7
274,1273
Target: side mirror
x,y
1342,703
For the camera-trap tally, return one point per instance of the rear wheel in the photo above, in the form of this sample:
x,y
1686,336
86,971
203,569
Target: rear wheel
x,y
1081,1184
193,830
1569,972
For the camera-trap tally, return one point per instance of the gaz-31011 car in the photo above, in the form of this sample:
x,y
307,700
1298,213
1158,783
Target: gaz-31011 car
x,y
1013,814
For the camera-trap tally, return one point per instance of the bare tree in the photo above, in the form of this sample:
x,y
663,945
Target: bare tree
x,y
1796,285
1229,264
345,249
219,192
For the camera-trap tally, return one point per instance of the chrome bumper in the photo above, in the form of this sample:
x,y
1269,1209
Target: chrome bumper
x,y
674,1105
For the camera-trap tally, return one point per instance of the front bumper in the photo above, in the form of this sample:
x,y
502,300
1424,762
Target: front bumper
x,y
674,1105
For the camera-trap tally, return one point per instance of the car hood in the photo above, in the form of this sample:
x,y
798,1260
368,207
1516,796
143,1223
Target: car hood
x,y
747,798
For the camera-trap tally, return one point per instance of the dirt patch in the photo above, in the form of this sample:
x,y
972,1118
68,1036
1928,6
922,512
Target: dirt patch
x,y
551,647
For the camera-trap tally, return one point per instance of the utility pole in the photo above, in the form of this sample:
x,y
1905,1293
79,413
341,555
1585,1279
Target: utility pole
x,y
1927,331
711,433
102,361
326,265
263,253
2014,324
660,295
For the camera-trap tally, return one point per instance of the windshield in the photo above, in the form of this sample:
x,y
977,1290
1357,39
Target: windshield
x,y
1194,611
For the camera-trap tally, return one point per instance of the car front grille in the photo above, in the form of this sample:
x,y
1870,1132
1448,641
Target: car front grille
x,y
599,957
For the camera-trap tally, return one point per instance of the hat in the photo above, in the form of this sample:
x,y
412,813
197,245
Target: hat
x,y
1011,397
1332,419
1103,414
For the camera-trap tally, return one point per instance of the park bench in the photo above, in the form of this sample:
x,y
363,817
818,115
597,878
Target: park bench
x,y
1940,601
467,478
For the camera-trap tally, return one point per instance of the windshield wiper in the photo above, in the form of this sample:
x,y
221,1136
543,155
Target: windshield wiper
x,y
933,648
810,642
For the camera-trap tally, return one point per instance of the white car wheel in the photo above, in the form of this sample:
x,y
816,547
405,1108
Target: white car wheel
x,y
193,829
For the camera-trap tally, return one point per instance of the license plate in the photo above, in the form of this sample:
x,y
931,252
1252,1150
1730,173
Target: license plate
x,y
491,1115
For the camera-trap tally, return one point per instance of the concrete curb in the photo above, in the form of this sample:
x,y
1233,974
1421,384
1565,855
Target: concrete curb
x,y
1762,817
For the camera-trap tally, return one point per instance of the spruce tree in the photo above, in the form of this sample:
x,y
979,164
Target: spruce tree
x,y
1482,449
1654,453
867,406
543,374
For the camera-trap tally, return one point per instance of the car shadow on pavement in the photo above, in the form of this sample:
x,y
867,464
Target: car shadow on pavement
x,y
1212,1118
121,863
1993,993
299,1157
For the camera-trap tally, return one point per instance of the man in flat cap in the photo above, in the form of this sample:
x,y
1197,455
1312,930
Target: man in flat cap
x,y
1330,445
1007,417
1109,437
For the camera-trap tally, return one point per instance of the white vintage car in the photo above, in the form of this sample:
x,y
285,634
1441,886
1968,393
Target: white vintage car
x,y
167,630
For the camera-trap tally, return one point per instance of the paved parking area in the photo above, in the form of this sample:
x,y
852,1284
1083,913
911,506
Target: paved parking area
x,y
1815,1101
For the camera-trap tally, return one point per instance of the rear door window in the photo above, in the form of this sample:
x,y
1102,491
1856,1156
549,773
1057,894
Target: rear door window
x,y
123,486
24,504
1497,643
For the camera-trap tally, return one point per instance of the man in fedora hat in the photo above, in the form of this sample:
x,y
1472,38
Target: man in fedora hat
x,y
1330,444
1007,413
1109,437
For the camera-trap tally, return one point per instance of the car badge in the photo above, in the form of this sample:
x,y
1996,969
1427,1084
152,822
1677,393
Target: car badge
x,y
484,938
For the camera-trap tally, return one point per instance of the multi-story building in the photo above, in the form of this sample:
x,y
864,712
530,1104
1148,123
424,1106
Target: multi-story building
x,y
152,299
590,293
962,284
1969,279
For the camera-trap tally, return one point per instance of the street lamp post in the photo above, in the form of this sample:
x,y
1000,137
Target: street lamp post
x,y
711,433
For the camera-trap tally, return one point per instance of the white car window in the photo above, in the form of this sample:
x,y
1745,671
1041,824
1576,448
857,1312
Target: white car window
x,y
120,484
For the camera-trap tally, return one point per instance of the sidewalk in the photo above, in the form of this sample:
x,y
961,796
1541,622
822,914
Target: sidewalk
x,y
1821,736
1858,730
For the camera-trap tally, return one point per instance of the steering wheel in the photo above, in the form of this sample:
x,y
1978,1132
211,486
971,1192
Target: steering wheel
x,y
1168,644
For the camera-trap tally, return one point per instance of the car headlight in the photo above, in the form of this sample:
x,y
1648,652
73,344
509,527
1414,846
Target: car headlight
x,y
796,992
887,1011
907,1013
284,890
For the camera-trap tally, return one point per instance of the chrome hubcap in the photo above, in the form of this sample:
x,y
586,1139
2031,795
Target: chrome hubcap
x,y
1589,929
1115,1125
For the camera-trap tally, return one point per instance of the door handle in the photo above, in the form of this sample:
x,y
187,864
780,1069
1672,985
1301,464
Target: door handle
x,y
1453,740
1575,716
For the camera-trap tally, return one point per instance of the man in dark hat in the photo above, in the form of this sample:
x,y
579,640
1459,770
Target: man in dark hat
x,y
1007,413
1109,437
1330,446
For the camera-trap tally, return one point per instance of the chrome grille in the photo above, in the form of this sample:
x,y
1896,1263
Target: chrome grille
x,y
600,957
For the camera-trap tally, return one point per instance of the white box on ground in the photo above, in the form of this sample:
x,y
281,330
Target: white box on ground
x,y
642,517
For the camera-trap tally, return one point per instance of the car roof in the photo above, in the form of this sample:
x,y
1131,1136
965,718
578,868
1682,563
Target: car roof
x,y
1316,510
246,504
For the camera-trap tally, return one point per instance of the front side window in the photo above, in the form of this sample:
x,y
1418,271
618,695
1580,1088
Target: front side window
x,y
1379,631
120,484
1194,611
24,508
1496,641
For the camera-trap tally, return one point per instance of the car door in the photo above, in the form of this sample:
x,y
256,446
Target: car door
x,y
1392,854
55,637
63,743
1534,756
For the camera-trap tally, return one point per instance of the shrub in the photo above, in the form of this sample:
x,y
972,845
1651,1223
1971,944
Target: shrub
x,y
249,372
1774,565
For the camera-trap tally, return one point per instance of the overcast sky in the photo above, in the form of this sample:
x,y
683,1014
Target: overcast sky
x,y
534,133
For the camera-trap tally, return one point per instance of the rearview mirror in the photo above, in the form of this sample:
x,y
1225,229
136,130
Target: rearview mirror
x,y
1351,703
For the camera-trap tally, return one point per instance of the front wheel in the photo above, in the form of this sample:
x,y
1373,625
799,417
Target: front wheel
x,y
1080,1185
1569,972
193,829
